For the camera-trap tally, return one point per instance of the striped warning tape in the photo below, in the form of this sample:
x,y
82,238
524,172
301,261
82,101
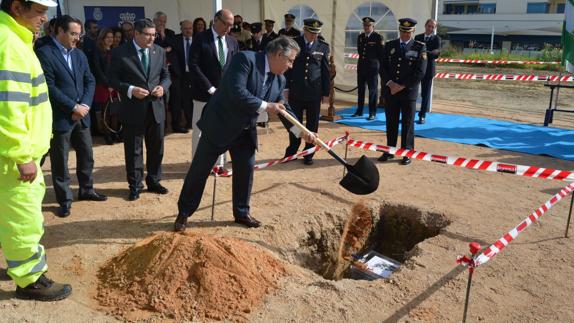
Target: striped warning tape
x,y
501,243
476,61
520,170
504,77
219,171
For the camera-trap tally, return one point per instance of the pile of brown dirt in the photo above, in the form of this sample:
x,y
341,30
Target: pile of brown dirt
x,y
186,277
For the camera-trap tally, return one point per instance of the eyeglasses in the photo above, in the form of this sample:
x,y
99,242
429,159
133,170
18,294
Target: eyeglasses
x,y
75,34
149,35
291,61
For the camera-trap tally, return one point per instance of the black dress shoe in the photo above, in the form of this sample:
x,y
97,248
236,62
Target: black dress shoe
x,y
385,156
405,161
308,162
157,188
422,120
180,223
44,289
92,196
248,221
179,130
64,210
134,195
371,117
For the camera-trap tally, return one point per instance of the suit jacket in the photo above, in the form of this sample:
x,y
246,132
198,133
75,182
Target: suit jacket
x,y
66,88
204,63
310,79
404,67
177,57
432,44
126,70
233,107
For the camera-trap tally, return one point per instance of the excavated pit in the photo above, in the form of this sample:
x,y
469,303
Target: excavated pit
x,y
391,230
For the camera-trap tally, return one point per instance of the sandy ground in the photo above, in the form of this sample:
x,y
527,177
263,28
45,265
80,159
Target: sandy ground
x,y
304,209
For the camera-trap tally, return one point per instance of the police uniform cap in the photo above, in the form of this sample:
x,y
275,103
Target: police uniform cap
x,y
312,25
236,29
256,27
269,22
289,16
368,20
407,25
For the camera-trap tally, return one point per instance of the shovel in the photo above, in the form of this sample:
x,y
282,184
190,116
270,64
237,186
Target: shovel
x,y
361,179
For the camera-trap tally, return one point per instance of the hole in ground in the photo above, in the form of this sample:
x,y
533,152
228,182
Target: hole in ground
x,y
391,230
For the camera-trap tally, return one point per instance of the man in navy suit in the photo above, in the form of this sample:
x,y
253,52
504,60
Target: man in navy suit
x,y
71,87
211,53
139,73
253,83
180,101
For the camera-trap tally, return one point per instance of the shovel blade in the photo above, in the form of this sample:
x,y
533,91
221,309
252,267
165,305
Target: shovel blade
x,y
361,178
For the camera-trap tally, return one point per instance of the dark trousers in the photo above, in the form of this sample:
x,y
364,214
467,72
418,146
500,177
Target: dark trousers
x,y
181,101
426,86
242,151
80,139
371,80
134,136
404,108
312,111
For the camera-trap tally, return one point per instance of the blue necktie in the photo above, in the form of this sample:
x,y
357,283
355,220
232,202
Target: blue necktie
x,y
267,84
403,46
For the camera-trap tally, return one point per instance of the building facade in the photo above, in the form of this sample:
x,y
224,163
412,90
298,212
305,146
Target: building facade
x,y
517,24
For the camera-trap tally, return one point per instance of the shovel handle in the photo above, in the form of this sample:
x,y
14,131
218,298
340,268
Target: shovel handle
x,y
298,124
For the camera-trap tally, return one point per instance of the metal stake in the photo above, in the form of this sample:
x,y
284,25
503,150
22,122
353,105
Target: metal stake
x,y
474,250
346,153
569,216
213,198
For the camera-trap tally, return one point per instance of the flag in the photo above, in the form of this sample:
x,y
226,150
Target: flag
x,y
568,37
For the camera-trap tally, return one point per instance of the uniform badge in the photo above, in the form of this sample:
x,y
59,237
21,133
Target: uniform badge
x,y
392,51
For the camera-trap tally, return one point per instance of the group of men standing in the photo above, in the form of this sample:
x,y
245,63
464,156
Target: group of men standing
x,y
402,64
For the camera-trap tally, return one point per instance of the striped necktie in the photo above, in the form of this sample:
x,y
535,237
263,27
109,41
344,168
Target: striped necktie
x,y
220,52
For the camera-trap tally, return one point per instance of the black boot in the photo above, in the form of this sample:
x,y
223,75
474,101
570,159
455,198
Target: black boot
x,y
45,290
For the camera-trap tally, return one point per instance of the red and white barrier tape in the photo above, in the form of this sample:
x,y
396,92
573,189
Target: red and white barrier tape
x,y
497,247
476,61
520,170
218,171
504,77
497,62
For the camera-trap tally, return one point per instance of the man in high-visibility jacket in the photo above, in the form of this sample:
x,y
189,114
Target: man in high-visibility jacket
x,y
25,130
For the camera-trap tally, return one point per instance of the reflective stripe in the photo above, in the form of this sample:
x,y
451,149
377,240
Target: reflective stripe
x,y
16,263
23,97
21,77
43,97
39,266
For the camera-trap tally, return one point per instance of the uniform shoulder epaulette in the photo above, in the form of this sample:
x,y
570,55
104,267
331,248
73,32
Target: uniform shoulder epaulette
x,y
323,42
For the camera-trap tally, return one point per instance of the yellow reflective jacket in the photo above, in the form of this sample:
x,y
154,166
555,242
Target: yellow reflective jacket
x,y
25,111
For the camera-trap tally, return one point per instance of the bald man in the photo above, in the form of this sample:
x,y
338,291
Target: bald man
x,y
180,101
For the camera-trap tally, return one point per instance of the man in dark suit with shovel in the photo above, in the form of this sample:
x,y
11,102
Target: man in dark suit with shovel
x,y
253,83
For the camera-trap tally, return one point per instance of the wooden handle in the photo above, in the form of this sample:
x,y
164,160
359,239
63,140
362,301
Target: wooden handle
x,y
298,124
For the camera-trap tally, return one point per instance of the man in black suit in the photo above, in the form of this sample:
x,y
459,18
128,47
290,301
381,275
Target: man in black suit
x,y
127,31
211,54
164,37
180,100
370,48
139,73
432,42
71,87
308,82
404,65
269,34
252,84
289,30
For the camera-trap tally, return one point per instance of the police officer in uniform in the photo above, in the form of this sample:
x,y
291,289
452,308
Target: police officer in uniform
x,y
269,34
432,42
256,37
289,30
370,48
308,82
404,66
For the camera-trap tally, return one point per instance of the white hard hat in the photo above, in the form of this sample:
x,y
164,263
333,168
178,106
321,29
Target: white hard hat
x,y
47,3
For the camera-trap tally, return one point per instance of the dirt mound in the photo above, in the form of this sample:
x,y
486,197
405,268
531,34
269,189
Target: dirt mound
x,y
186,277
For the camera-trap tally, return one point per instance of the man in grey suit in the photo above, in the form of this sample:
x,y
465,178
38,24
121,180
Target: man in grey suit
x,y
253,83
139,73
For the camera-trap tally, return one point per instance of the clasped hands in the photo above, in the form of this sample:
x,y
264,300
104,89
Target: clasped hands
x,y
395,87
142,93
